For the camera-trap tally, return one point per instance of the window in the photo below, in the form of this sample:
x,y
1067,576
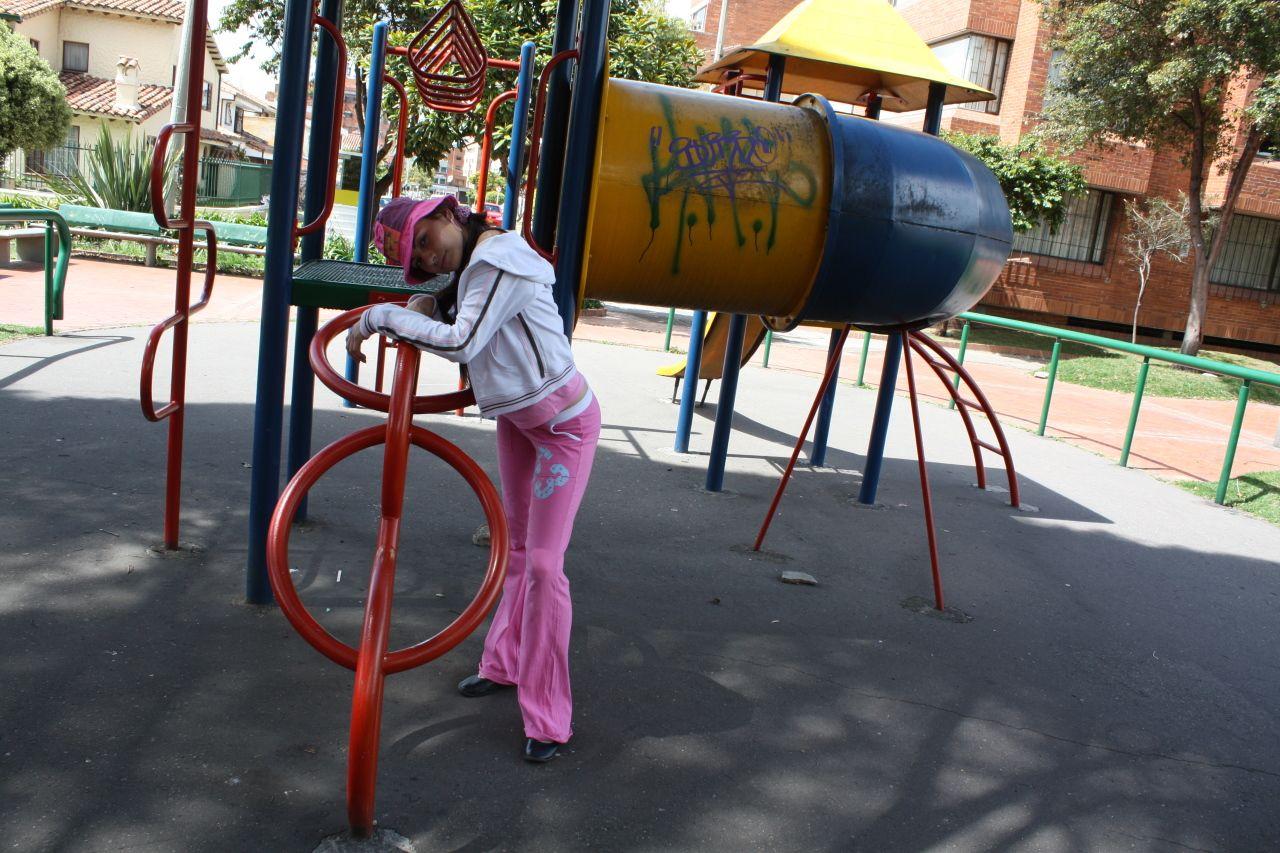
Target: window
x,y
75,56
1249,258
978,59
1055,66
1081,236
239,120
207,98
698,19
228,112
35,44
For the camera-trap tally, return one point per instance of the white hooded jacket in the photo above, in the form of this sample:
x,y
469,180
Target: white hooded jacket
x,y
507,329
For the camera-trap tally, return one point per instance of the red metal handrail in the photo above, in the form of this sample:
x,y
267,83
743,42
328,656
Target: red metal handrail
x,y
331,178
535,152
402,131
486,145
149,410
335,382
158,155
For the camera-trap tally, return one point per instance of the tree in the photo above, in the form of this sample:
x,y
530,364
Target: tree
x,y
33,104
1196,77
1037,185
1155,228
646,44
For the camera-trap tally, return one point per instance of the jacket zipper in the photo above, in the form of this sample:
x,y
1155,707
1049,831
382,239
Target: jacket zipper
x,y
542,371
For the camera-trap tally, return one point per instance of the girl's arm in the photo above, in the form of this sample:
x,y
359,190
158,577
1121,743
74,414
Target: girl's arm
x,y
492,298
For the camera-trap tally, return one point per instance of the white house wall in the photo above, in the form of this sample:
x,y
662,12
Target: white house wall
x,y
152,43
44,29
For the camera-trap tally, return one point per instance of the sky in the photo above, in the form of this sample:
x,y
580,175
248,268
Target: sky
x,y
247,73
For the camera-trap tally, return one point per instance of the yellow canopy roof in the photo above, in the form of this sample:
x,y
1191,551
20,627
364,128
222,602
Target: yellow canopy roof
x,y
842,49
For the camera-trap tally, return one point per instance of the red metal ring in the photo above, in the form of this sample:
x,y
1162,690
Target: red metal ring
x,y
458,630
424,405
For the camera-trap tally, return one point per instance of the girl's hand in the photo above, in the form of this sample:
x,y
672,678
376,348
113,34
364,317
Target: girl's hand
x,y
423,303
354,340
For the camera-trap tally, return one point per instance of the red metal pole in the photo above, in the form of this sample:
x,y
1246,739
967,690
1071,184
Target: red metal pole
x,y
486,145
832,362
366,700
402,130
535,152
924,474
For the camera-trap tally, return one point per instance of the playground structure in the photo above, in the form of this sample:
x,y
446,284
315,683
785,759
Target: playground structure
x,y
637,193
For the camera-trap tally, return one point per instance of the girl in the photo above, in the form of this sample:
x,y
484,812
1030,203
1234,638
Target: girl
x,y
498,317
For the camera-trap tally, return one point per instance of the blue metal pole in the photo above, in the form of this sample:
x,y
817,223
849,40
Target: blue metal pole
x,y
724,410
933,108
823,429
737,333
369,142
584,115
368,163
689,393
880,420
268,416
546,202
515,162
319,152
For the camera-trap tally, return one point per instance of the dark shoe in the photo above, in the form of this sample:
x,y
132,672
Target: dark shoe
x,y
539,751
474,686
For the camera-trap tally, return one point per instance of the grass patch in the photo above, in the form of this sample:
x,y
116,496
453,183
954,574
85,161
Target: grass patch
x,y
10,332
1119,372
1257,494
996,336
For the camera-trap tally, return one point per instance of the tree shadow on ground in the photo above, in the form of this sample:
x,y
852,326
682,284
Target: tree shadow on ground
x,y
1106,692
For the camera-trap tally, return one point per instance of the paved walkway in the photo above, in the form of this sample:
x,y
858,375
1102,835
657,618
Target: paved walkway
x,y
1176,439
1106,679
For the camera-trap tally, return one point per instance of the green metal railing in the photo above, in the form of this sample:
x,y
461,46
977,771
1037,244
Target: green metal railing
x,y
55,278
1246,375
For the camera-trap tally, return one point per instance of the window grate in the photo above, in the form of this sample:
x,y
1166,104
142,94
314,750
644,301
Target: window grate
x,y
1082,236
1250,257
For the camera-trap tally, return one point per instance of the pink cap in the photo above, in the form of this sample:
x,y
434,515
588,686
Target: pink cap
x,y
393,231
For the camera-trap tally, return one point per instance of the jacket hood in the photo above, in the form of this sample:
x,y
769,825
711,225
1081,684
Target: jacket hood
x,y
510,253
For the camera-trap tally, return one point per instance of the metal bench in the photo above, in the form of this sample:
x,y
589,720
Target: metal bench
x,y
105,223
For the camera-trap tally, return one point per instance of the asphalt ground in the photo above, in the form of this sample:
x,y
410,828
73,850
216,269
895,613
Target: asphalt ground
x,y
1106,680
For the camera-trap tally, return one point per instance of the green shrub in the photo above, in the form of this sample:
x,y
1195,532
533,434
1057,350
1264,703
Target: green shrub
x,y
113,174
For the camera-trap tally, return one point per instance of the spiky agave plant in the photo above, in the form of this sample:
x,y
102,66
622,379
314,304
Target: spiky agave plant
x,y
113,173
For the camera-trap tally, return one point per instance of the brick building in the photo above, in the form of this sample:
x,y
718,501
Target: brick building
x,y
1079,276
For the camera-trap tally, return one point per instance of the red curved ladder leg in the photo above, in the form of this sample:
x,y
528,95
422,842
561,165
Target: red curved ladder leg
x,y
940,370
920,342
925,494
832,362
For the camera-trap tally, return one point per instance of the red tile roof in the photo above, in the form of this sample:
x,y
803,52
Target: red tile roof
x,y
23,8
218,136
169,10
88,94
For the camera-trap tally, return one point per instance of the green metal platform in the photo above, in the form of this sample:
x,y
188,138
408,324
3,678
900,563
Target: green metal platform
x,y
346,284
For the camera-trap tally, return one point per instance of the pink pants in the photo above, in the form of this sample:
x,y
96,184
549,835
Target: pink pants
x,y
544,472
